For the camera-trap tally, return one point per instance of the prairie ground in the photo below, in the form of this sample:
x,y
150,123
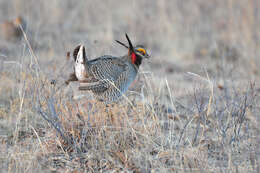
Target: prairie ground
x,y
194,106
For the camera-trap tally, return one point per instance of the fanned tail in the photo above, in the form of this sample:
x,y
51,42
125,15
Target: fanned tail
x,y
80,53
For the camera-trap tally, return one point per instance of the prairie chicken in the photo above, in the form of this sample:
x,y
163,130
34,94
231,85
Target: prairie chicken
x,y
11,30
108,77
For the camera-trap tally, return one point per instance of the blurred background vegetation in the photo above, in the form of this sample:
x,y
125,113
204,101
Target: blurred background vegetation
x,y
217,40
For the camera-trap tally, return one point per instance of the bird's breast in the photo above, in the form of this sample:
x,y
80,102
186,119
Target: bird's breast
x,y
132,72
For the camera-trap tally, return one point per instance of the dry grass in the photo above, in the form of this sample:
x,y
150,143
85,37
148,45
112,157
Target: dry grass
x,y
216,130
194,107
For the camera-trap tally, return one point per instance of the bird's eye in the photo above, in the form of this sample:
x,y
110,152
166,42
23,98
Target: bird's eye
x,y
143,52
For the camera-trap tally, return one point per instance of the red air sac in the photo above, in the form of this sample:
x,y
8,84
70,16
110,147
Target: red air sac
x,y
133,57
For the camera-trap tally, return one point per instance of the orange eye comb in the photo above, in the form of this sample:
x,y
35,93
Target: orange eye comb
x,y
141,50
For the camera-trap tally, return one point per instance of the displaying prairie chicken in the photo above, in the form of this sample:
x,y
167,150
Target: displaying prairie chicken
x,y
108,77
11,31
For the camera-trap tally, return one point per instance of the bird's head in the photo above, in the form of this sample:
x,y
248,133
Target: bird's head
x,y
136,53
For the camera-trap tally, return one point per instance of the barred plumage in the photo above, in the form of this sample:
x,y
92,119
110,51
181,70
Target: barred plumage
x,y
109,77
113,76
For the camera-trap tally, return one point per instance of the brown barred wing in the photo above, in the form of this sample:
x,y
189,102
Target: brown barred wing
x,y
107,68
93,85
105,71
